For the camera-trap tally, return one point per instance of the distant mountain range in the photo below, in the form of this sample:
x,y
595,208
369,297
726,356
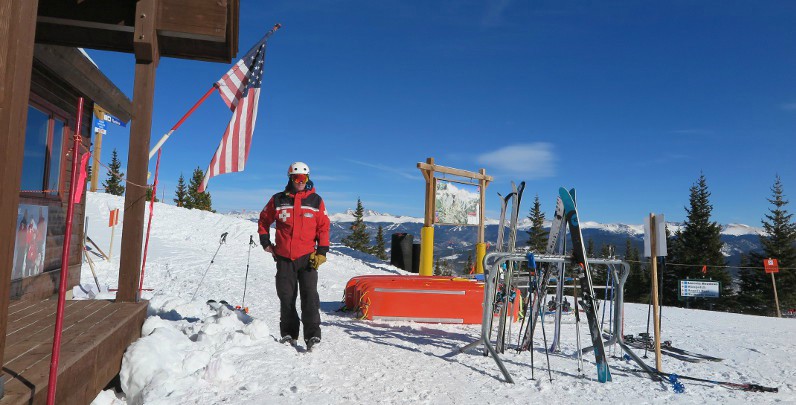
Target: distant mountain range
x,y
455,243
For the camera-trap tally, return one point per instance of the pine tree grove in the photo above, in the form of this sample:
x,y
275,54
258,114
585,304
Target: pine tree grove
x,y
195,199
114,184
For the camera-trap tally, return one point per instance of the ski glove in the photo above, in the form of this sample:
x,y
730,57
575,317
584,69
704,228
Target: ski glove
x,y
316,260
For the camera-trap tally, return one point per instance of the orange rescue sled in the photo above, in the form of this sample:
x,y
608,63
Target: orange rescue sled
x,y
417,298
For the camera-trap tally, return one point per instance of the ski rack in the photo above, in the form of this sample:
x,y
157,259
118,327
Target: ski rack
x,y
492,270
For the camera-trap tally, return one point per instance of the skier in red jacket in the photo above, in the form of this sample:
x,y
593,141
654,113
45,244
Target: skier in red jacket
x,y
302,241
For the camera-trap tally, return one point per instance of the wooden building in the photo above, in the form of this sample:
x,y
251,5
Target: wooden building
x,y
42,75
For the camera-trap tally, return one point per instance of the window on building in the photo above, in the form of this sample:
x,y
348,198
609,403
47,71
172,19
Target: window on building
x,y
43,154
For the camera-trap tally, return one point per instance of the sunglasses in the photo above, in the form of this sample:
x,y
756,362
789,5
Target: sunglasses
x,y
299,178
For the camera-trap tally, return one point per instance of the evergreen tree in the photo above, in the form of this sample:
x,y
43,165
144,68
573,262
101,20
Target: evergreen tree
x,y
600,271
195,199
379,250
779,242
359,239
149,195
537,235
442,268
697,244
637,285
114,184
181,194
468,267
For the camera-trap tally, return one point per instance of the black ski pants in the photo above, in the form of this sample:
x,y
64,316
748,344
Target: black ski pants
x,y
294,277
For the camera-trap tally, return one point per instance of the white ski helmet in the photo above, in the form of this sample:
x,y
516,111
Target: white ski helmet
x,y
298,168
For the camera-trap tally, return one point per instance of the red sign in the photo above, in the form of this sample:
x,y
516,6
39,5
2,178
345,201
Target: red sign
x,y
114,218
771,265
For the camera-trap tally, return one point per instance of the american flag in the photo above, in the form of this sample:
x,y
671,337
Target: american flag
x,y
240,89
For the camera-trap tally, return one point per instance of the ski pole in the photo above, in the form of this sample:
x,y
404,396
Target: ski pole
x,y
649,314
246,280
547,355
221,242
577,323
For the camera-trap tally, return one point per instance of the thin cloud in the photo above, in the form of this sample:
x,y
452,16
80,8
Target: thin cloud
x,y
788,106
692,131
494,13
532,160
388,169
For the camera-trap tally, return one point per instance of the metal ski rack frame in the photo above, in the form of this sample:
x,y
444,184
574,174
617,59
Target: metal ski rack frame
x,y
490,279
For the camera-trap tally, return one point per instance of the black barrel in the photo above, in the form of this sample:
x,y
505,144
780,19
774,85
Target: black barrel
x,y
401,250
415,258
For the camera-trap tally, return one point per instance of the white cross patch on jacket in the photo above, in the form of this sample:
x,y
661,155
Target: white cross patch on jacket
x,y
284,215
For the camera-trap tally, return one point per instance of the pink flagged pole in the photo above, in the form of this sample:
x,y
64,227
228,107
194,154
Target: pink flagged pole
x,y
59,315
149,223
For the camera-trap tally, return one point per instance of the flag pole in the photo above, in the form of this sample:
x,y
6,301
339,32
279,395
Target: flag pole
x,y
149,223
195,106
177,125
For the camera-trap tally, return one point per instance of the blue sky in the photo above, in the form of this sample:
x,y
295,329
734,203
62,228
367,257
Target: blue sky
x,y
627,101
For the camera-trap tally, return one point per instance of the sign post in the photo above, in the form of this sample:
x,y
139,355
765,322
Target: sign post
x,y
772,267
429,170
112,222
651,248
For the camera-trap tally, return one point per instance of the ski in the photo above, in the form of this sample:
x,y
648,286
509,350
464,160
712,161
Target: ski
x,y
504,201
666,345
586,291
560,280
644,346
671,377
507,279
243,313
556,232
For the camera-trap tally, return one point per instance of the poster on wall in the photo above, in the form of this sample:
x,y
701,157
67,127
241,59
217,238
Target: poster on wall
x,y
31,239
457,204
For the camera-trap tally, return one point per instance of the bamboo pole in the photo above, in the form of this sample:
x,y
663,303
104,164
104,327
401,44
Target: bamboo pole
x,y
655,304
95,160
776,299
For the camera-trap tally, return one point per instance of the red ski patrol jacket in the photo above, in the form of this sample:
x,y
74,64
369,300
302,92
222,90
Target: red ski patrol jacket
x,y
301,223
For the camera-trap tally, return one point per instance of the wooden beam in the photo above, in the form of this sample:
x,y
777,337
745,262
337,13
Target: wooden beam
x,y
17,29
456,172
77,70
145,37
138,160
190,29
194,19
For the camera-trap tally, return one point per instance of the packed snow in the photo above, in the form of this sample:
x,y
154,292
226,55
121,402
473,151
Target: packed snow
x,y
191,353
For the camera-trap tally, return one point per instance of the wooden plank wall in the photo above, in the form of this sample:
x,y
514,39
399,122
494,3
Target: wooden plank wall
x,y
46,85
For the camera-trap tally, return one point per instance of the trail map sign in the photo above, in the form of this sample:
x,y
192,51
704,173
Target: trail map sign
x,y
457,204
699,289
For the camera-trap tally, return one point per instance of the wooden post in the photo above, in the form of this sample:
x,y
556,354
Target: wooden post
x,y
480,246
776,299
427,233
147,56
656,321
17,32
95,160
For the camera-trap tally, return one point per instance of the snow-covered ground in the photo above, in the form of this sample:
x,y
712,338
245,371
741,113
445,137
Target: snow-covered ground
x,y
190,353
